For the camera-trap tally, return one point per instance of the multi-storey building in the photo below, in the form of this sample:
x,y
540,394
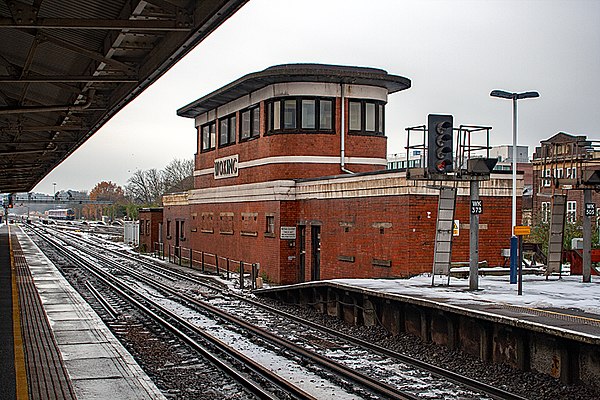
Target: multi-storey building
x,y
291,173
562,165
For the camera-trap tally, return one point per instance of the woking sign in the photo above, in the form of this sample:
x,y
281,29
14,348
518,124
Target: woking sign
x,y
226,167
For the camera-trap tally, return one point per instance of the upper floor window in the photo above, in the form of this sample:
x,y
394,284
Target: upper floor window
x,y
366,117
227,130
545,211
209,136
300,114
250,123
571,211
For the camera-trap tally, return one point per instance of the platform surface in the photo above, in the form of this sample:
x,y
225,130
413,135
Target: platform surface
x,y
96,364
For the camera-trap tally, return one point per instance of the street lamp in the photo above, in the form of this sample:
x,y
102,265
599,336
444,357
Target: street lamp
x,y
513,241
54,194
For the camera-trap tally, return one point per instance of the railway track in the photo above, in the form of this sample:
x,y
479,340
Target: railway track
x,y
381,371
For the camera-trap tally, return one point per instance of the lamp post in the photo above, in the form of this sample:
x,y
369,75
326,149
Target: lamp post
x,y
54,186
513,240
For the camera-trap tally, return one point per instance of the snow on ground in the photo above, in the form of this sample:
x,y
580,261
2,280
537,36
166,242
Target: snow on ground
x,y
566,292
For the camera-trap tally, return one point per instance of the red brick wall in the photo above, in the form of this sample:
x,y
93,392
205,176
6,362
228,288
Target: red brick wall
x,y
151,218
394,230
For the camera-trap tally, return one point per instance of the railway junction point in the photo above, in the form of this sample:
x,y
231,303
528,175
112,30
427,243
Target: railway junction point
x,y
59,347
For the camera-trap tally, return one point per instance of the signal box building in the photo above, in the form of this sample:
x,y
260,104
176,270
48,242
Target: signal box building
x,y
291,173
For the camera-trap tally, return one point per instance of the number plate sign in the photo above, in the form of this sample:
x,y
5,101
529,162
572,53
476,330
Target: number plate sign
x,y
590,209
476,207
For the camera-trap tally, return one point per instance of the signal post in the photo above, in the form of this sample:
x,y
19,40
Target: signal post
x,y
472,163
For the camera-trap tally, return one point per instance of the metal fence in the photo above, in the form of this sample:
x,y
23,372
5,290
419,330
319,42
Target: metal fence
x,y
209,263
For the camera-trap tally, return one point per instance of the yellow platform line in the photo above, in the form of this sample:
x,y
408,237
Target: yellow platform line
x,y
20,370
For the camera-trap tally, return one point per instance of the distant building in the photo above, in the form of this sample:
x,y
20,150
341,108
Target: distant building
x,y
560,166
401,161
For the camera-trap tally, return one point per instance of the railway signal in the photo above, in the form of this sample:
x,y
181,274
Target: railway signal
x,y
439,146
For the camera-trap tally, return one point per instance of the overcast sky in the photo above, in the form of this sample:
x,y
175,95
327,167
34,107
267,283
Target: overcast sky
x,y
454,52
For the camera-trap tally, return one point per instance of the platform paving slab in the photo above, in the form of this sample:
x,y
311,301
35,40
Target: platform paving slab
x,y
97,363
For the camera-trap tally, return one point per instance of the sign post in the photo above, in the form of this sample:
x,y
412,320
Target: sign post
x,y
476,209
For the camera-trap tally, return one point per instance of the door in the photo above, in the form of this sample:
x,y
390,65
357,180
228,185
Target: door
x,y
315,270
301,253
177,238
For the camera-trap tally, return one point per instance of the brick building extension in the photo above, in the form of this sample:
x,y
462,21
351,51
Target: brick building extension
x,y
291,173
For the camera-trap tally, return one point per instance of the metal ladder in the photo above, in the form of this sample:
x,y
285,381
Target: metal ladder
x,y
557,229
442,255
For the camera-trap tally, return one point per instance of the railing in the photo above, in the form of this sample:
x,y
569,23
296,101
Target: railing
x,y
209,262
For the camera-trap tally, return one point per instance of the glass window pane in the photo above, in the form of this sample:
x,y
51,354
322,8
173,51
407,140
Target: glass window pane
x,y
269,116
325,114
232,129
355,117
213,135
256,122
289,114
370,117
380,110
308,114
245,124
276,115
223,132
205,138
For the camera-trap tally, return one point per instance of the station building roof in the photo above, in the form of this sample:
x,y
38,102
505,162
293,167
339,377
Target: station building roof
x,y
68,66
294,73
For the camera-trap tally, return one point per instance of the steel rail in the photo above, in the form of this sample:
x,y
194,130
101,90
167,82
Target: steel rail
x,y
366,381
240,377
462,380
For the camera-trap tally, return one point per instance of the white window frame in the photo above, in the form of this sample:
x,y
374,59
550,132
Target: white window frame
x,y
546,175
571,211
545,211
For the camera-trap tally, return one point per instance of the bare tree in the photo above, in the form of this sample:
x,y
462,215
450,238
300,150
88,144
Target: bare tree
x,y
178,175
146,187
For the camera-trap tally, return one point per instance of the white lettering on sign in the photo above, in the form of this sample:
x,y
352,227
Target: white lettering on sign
x,y
226,167
288,233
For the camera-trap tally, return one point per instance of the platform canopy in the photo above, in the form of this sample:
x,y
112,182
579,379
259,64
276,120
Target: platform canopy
x,y
68,66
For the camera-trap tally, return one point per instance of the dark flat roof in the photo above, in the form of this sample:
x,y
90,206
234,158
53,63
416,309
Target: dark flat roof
x,y
294,73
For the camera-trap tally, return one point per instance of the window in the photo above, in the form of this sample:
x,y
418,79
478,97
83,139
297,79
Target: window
x,y
309,114
208,136
227,130
168,229
571,211
270,226
250,123
147,227
300,114
181,230
289,114
546,174
545,211
366,117
326,114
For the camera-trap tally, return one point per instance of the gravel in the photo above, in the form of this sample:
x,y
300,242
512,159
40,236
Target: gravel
x,y
531,385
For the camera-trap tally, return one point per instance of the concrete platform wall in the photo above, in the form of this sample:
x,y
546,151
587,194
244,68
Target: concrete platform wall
x,y
492,339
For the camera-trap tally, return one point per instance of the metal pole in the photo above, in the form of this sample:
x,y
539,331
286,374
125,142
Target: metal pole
x,y
202,256
587,237
474,241
191,259
217,263
227,261
241,274
520,286
513,239
514,167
